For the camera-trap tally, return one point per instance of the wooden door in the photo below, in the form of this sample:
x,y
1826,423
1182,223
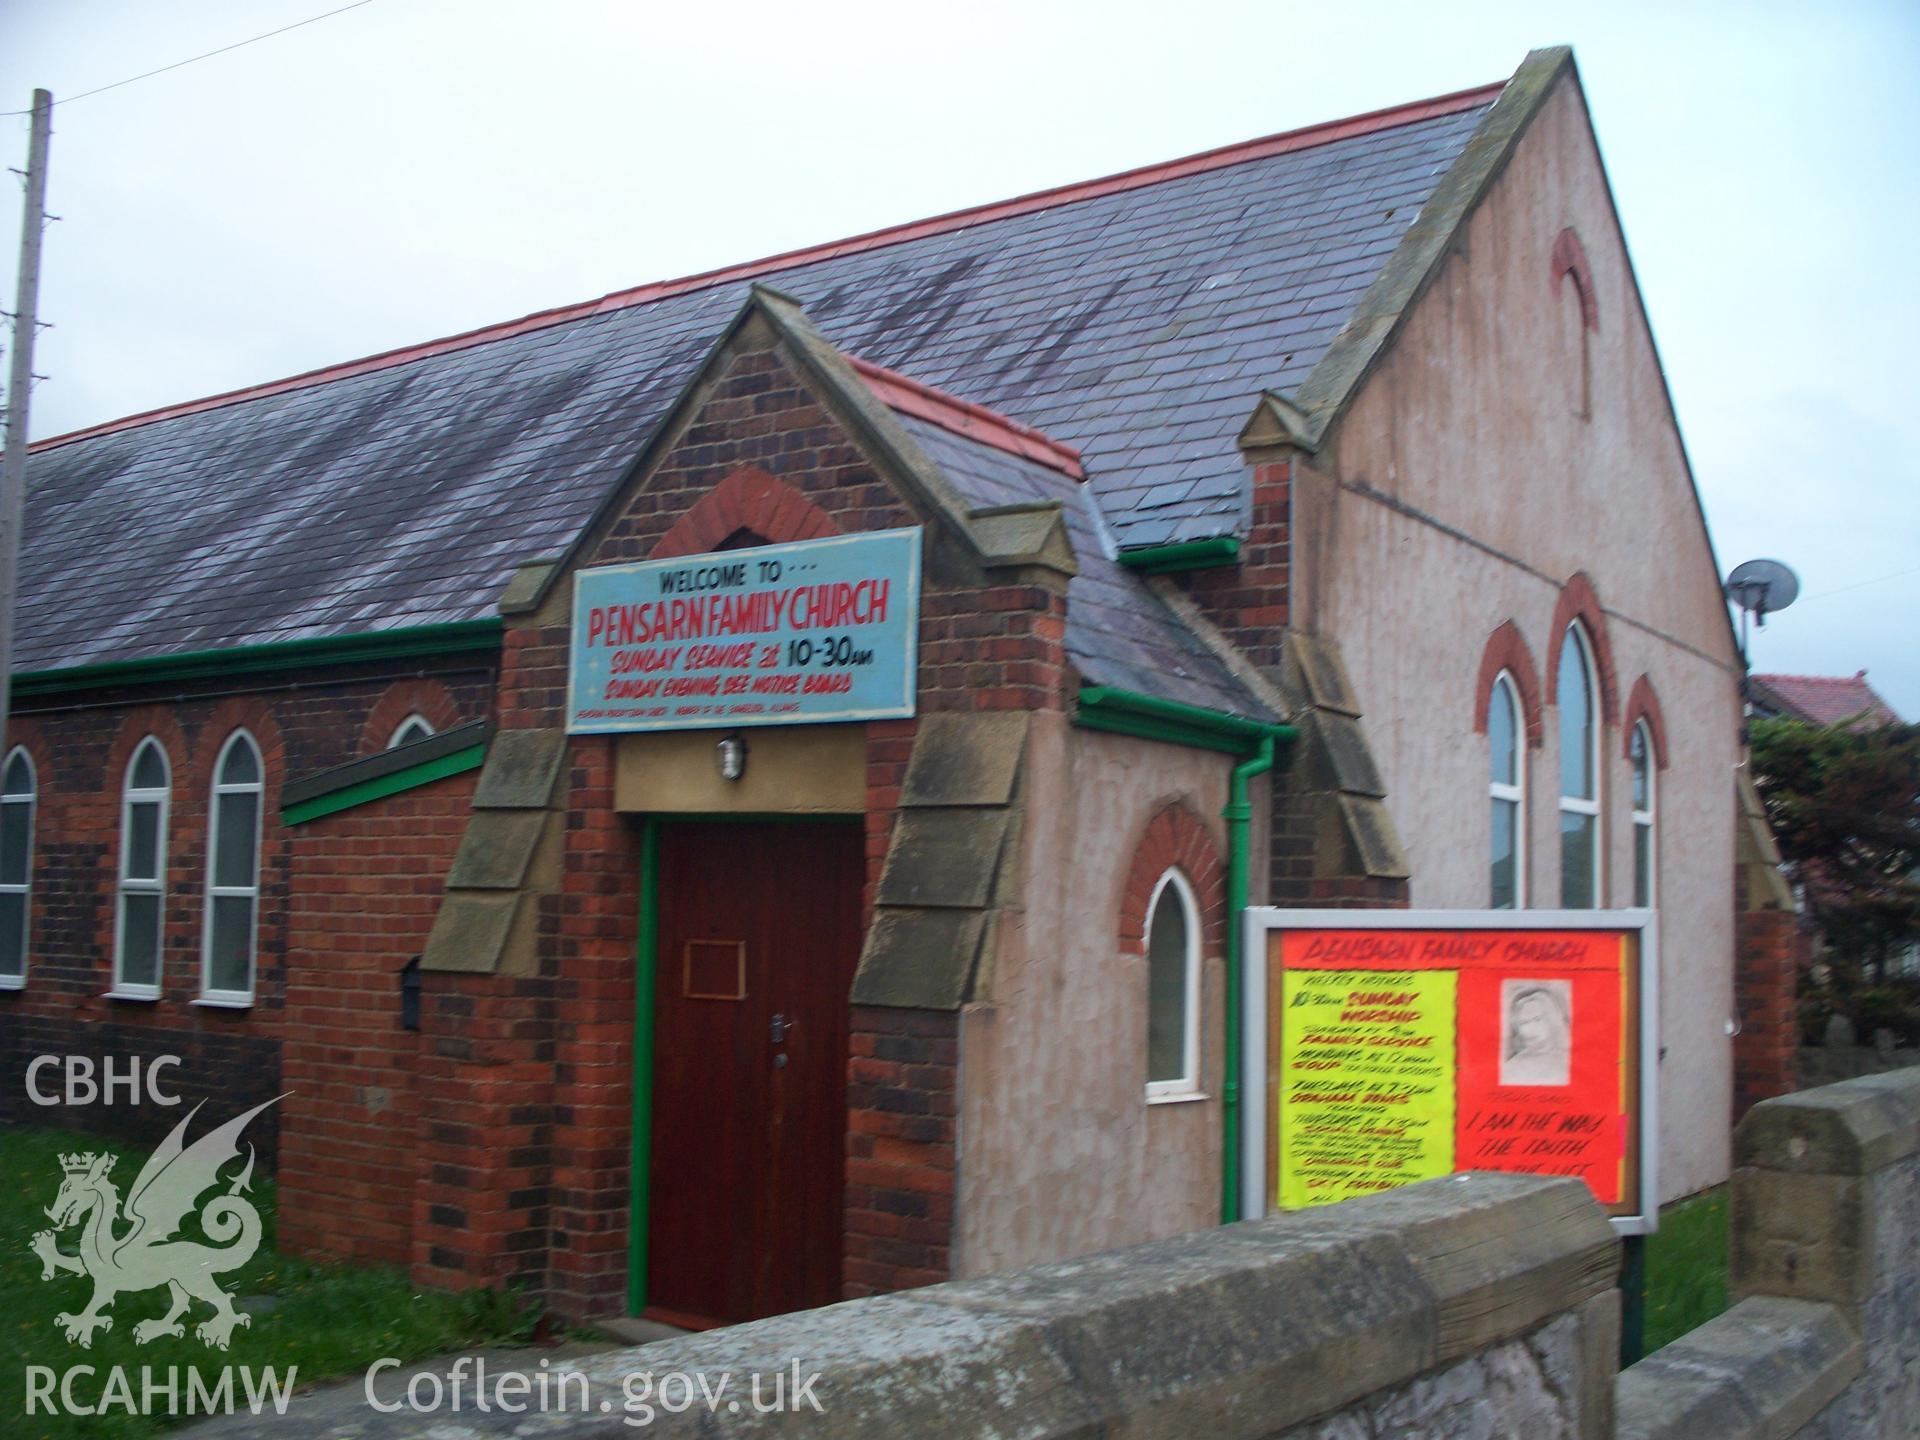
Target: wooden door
x,y
759,932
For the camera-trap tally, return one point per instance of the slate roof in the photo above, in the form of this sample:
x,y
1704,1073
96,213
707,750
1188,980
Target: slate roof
x,y
1135,319
1118,631
1823,700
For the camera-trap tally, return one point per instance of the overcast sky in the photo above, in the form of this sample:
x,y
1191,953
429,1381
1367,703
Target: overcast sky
x,y
411,168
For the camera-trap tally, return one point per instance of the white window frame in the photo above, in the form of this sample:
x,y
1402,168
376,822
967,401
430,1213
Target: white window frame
x,y
238,999
25,888
1645,819
1187,1085
1578,805
124,989
1516,793
400,737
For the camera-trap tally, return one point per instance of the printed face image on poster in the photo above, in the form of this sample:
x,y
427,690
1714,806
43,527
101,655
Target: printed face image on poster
x,y
1536,1043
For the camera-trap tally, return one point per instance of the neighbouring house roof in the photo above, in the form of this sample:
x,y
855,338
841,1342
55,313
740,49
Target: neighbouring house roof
x,y
1132,320
1822,700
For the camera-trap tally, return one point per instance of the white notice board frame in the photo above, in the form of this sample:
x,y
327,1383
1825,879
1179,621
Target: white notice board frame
x,y
1259,921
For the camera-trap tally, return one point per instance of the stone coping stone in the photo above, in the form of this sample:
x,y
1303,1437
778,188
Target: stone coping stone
x,y
520,770
1759,1372
1851,1128
1243,1330
965,760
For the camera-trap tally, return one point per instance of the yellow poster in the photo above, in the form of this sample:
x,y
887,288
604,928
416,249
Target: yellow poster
x,y
1366,1081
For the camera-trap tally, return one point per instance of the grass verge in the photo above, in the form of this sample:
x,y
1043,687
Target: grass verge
x,y
316,1322
1686,1268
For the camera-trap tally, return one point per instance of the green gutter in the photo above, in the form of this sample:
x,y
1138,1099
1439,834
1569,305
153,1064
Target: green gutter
x,y
640,1155
1146,717
453,637
457,763
1186,555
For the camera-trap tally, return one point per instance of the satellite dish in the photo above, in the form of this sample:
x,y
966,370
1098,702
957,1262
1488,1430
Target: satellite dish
x,y
1762,587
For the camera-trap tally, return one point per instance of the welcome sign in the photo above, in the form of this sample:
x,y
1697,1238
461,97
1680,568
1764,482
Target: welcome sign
x,y
805,633
1417,1045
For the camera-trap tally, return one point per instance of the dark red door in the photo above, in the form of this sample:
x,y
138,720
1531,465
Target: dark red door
x,y
759,934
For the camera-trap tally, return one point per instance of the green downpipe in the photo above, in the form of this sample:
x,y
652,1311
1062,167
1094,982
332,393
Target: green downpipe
x,y
1239,817
646,959
1255,743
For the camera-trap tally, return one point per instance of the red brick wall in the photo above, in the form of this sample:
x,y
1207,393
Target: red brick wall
x,y
1771,948
902,1149
485,1086
80,751
370,881
1249,601
594,935
1296,865
761,455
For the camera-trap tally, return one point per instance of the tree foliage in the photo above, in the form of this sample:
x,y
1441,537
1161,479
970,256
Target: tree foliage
x,y
1845,808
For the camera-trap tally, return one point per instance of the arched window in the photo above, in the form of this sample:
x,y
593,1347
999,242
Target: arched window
x,y
233,873
414,727
1507,784
1640,752
1579,775
17,794
1173,989
140,924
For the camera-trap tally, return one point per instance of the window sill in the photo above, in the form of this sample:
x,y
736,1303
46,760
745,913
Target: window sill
x,y
13,982
1182,1097
215,1002
137,996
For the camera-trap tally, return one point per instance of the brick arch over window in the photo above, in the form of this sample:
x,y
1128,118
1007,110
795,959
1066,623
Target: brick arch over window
x,y
1570,258
428,699
1578,601
159,722
1643,704
1175,838
1507,650
748,499
241,712
25,732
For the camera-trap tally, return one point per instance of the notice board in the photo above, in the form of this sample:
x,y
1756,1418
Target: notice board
x,y
1400,1047
803,633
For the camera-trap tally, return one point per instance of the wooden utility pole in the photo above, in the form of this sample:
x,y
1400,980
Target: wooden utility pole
x,y
26,321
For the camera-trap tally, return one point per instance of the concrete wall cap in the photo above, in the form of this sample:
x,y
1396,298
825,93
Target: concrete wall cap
x,y
1763,1369
1241,1331
1852,1128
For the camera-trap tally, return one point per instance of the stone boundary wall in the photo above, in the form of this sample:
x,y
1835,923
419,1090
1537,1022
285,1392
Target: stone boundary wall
x,y
1469,1305
1824,1340
1465,1308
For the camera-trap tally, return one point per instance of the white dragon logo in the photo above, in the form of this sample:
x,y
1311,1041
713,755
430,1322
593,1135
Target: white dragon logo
x,y
147,1255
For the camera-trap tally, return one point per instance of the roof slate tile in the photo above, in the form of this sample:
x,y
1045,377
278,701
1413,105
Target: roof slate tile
x,y
1135,325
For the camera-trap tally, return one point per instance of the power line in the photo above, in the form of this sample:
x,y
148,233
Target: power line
x,y
238,44
1861,585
